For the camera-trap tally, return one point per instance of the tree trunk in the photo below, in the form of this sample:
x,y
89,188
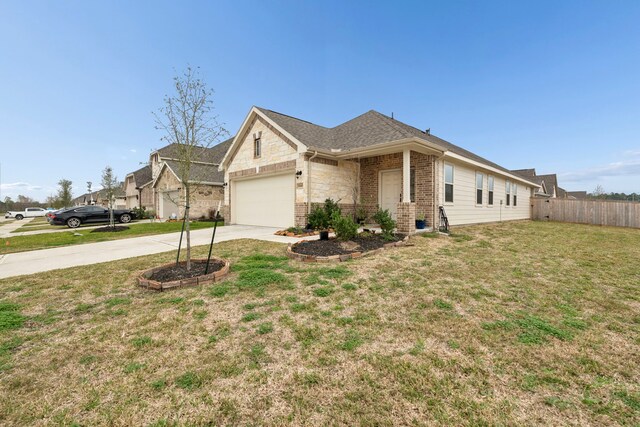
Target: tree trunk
x,y
187,227
111,221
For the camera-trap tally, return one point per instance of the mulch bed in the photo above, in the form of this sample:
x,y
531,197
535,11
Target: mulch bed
x,y
325,248
179,272
111,229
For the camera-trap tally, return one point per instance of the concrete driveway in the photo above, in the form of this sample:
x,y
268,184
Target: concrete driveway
x,y
92,253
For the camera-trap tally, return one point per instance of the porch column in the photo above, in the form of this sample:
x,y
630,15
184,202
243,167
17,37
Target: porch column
x,y
406,176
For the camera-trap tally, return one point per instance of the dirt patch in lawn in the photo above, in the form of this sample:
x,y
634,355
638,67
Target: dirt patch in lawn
x,y
110,229
338,247
180,272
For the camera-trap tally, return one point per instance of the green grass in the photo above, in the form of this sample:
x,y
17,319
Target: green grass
x,y
66,238
521,323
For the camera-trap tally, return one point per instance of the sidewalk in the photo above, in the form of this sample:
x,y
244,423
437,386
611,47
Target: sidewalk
x,y
92,253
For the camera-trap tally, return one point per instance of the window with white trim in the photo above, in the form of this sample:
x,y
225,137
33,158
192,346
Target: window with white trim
x,y
508,192
479,183
514,190
490,195
448,183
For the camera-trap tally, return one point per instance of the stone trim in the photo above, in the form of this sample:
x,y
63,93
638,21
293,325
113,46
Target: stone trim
x,y
324,161
273,167
280,166
145,282
341,258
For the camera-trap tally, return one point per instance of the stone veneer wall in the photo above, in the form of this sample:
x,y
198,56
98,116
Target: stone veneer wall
x,y
425,179
203,197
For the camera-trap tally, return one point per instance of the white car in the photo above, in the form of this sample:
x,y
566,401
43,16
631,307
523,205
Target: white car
x,y
27,213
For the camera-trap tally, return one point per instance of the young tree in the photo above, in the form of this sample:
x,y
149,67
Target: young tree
x,y
64,193
187,120
109,185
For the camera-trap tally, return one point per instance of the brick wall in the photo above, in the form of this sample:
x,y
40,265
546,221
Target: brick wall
x,y
425,180
406,222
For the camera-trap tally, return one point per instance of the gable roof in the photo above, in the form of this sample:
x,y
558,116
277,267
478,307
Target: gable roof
x,y
212,155
368,129
200,173
142,176
577,194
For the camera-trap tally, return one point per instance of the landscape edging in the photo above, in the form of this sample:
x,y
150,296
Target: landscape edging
x,y
145,282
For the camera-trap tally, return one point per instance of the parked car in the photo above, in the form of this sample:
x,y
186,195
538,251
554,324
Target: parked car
x,y
74,217
27,213
51,213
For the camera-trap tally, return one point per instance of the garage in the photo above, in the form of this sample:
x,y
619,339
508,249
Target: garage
x,y
169,204
267,201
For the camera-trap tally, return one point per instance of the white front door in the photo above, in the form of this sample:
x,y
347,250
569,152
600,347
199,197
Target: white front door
x,y
390,190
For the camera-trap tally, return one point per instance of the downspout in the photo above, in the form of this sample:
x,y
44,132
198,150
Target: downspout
x,y
309,182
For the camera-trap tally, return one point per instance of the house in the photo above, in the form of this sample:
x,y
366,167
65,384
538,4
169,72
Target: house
x,y
578,195
137,188
548,184
278,167
207,181
100,198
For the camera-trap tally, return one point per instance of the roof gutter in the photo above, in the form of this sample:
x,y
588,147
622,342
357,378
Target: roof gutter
x,y
489,168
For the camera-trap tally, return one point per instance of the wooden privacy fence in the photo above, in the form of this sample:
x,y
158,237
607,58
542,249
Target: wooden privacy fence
x,y
597,212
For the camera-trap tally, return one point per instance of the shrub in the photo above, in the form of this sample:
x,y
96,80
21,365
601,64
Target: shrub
x,y
344,226
141,213
330,209
387,224
318,219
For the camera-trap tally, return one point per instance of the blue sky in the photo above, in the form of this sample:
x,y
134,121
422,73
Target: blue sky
x,y
551,85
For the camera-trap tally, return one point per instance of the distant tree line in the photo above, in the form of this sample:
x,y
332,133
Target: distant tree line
x,y
599,193
61,199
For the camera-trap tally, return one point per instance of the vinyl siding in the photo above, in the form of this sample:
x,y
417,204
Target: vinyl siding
x,y
464,209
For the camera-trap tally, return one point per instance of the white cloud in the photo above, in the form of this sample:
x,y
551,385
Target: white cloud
x,y
133,150
19,186
625,168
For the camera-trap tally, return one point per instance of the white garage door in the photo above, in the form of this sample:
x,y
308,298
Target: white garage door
x,y
265,201
169,204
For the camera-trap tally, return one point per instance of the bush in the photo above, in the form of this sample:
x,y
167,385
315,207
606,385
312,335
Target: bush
x,y
331,208
344,226
387,224
318,219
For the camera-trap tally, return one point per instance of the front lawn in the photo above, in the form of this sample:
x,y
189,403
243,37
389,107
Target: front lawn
x,y
49,240
526,323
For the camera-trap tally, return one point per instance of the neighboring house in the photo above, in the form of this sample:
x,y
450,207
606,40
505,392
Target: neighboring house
x,y
206,181
137,188
548,183
579,195
100,198
277,167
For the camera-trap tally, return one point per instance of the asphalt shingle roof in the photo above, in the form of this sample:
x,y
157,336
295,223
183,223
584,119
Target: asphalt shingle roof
x,y
212,155
370,128
199,172
143,176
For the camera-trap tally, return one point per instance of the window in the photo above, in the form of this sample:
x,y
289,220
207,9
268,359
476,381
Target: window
x,y
412,185
490,183
448,183
508,192
257,147
479,179
514,189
